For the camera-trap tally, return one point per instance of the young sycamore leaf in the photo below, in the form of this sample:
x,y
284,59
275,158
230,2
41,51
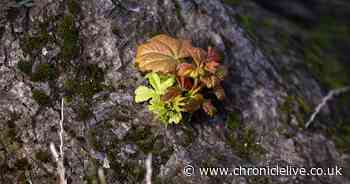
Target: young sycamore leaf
x,y
160,84
162,54
178,74
143,93
154,80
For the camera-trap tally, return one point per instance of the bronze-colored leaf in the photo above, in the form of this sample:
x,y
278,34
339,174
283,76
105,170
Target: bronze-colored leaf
x,y
162,54
170,94
211,66
210,81
213,56
185,83
198,55
194,103
185,69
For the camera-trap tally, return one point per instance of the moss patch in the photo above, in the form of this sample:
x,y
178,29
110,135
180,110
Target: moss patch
x,y
25,66
44,72
84,113
41,98
142,137
22,164
86,83
342,137
324,53
42,156
233,121
244,144
33,44
233,2
70,38
73,7
297,107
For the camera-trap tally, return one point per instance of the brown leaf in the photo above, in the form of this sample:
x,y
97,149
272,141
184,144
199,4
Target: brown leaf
x,y
211,66
198,55
185,69
194,103
171,93
162,54
210,81
185,83
213,56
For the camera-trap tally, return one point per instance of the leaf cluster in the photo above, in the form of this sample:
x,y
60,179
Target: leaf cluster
x,y
179,76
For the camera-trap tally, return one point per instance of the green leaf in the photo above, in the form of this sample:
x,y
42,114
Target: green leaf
x,y
143,93
160,83
154,80
166,84
175,117
157,107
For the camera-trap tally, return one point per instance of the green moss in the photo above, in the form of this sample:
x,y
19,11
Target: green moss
x,y
22,164
34,44
297,107
246,21
327,69
44,72
303,106
42,156
115,30
84,113
70,86
287,106
70,36
41,98
25,66
188,137
128,172
233,121
177,9
73,7
342,137
88,88
136,171
324,53
244,144
267,23
86,83
233,2
142,137
93,140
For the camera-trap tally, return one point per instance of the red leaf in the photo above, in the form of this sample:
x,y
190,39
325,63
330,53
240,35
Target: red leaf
x,y
185,69
210,81
185,83
170,94
213,56
209,108
194,103
198,55
211,66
